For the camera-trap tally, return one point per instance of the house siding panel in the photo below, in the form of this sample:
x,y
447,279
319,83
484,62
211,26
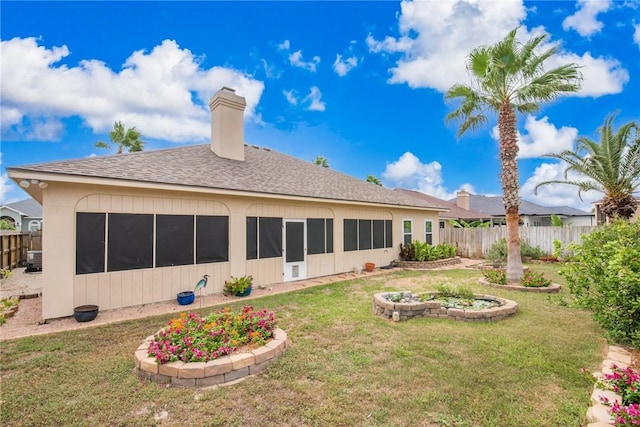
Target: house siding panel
x,y
127,288
134,287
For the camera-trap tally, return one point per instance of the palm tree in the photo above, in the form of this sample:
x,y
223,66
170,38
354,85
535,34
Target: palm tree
x,y
129,139
611,166
321,161
508,78
374,180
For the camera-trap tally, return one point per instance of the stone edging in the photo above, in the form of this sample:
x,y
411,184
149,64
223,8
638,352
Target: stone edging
x,y
206,374
403,311
598,414
10,311
426,264
551,289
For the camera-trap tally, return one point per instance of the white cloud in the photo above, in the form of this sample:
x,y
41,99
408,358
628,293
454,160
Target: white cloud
x,y
636,34
601,76
285,45
556,194
410,173
291,97
342,67
296,60
435,40
163,92
584,20
271,71
314,98
541,138
6,186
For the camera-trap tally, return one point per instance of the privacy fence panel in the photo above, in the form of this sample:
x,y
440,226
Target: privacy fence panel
x,y
475,242
14,246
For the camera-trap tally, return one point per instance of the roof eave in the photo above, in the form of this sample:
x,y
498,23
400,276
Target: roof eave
x,y
18,174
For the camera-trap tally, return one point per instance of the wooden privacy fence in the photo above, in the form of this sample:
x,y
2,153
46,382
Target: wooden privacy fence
x,y
475,242
14,246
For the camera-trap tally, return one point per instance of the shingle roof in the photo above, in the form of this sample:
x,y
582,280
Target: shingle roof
x,y
494,206
262,171
30,207
454,212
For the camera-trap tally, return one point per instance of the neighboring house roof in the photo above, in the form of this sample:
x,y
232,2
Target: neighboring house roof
x,y
28,207
263,171
494,206
454,212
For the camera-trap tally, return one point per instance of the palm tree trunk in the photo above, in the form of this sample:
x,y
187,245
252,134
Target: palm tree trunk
x,y
511,199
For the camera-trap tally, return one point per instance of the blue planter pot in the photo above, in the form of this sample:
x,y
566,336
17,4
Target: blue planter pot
x,y
186,297
245,293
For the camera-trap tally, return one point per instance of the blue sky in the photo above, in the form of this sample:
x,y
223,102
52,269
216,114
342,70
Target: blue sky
x,y
360,83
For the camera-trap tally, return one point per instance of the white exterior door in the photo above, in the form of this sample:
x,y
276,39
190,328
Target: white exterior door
x,y
295,249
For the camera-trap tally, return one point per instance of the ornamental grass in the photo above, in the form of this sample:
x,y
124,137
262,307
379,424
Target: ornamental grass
x,y
190,338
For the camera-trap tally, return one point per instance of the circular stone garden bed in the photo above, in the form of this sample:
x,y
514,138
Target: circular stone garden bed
x,y
405,305
551,289
206,374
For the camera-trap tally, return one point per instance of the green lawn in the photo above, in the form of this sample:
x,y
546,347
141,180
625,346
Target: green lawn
x,y
345,367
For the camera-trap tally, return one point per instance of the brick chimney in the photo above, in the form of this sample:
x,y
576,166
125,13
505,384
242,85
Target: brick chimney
x,y
227,124
462,199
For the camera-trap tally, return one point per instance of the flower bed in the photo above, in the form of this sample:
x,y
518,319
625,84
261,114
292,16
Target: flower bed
x,y
415,305
531,282
201,352
615,396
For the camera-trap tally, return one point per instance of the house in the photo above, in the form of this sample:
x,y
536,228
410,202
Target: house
x,y
25,215
138,228
454,212
602,218
531,214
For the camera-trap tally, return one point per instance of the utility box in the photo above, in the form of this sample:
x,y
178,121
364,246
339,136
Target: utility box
x,y
34,260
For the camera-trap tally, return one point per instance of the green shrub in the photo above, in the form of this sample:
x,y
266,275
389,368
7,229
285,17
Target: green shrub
x,y
498,251
529,251
422,251
533,279
605,278
446,290
496,276
459,292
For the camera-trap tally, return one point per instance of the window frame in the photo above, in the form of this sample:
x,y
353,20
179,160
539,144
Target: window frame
x,y
428,235
404,233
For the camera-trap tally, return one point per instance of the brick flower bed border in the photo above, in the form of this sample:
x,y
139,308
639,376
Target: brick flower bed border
x,y
206,374
551,289
384,308
598,414
426,265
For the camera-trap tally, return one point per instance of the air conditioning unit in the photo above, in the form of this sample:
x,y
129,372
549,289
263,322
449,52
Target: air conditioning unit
x,y
34,260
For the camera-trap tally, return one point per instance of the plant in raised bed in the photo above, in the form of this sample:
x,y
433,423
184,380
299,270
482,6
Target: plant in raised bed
x,y
422,251
496,276
498,251
625,382
531,279
190,338
534,279
461,297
